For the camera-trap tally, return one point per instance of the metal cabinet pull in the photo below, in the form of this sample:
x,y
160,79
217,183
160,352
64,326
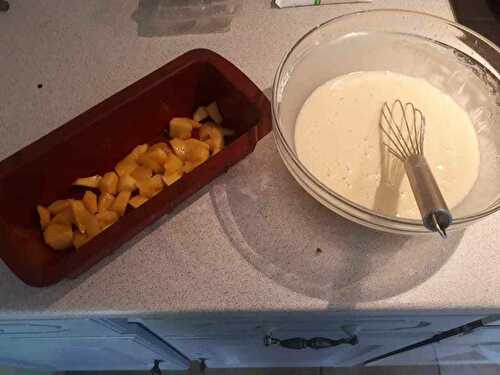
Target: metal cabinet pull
x,y
156,367
298,343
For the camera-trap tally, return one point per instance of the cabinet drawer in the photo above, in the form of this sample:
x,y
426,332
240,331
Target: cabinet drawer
x,y
221,325
89,353
55,328
134,348
251,352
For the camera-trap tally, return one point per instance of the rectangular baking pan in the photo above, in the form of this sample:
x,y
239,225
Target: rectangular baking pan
x,y
96,140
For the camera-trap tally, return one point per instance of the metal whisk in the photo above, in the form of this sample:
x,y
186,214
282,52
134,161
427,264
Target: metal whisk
x,y
403,128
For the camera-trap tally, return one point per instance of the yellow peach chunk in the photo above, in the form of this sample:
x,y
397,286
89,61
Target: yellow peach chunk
x,y
79,239
44,215
58,206
169,179
200,114
90,201
188,166
172,164
80,214
162,146
142,173
158,155
127,183
85,222
105,202
182,127
125,166
214,112
137,151
145,160
92,226
212,135
64,217
179,147
109,183
58,236
106,218
149,188
90,182
120,204
137,201
197,151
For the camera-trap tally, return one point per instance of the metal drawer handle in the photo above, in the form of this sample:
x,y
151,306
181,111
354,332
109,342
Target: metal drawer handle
x,y
298,343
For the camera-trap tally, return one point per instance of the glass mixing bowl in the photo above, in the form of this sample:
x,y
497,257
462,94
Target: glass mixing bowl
x,y
450,56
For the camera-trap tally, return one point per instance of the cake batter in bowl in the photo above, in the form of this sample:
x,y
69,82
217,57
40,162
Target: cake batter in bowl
x,y
327,94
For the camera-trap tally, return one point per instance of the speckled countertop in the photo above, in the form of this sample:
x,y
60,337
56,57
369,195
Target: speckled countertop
x,y
244,255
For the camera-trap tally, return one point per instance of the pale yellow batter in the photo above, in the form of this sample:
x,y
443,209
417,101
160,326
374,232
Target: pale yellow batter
x,y
338,139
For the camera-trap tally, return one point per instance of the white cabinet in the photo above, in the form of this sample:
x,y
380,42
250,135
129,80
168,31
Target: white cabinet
x,y
56,328
240,324
83,345
250,351
237,340
225,340
480,346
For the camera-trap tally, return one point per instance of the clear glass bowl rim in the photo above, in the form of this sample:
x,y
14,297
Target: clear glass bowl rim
x,y
329,192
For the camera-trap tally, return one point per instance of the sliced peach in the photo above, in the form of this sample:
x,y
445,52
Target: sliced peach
x,y
79,239
58,206
44,215
158,155
80,214
109,183
127,183
162,146
147,161
214,113
90,182
142,173
212,135
120,203
182,127
125,166
173,164
90,201
106,218
137,151
197,151
58,236
105,202
200,114
179,147
85,222
64,217
137,201
92,226
169,179
188,166
149,188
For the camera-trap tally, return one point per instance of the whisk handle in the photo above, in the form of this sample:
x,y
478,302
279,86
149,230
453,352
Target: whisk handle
x,y
435,213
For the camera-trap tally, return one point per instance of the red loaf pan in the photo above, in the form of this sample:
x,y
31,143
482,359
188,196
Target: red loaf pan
x,y
95,141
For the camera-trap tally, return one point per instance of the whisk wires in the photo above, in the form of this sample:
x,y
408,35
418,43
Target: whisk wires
x,y
403,127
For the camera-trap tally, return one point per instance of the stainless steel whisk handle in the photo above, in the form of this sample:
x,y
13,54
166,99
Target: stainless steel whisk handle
x,y
435,213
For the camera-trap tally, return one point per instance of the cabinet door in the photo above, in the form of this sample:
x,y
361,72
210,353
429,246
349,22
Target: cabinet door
x,y
240,324
480,346
422,356
55,328
232,352
135,349
250,350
